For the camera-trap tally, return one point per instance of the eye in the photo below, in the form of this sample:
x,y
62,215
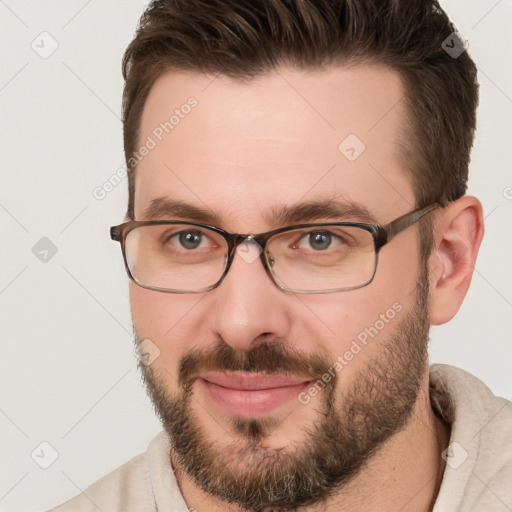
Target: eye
x,y
191,239
319,240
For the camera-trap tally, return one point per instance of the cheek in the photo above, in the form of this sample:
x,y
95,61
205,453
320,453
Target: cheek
x,y
166,319
148,312
356,323
398,269
348,317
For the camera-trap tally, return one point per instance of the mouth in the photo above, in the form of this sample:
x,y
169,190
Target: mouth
x,y
247,395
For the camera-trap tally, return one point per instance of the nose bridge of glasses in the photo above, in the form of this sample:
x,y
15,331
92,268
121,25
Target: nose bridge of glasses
x,y
247,247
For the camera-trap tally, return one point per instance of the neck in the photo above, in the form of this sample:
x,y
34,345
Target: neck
x,y
405,474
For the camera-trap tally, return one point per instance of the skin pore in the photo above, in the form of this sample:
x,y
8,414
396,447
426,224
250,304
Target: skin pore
x,y
248,149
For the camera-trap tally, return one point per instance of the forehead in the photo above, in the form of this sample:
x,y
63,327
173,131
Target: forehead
x,y
238,148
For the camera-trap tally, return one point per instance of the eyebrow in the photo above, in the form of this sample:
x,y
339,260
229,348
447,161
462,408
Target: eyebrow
x,y
330,209
163,208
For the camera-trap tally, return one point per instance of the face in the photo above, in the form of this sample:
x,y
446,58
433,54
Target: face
x,y
343,369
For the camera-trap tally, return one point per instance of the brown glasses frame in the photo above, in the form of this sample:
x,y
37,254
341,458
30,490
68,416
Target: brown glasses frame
x,y
381,236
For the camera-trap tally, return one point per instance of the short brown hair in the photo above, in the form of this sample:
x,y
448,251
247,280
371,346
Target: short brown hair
x,y
243,39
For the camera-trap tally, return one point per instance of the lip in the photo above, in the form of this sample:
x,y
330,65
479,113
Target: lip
x,y
248,395
252,381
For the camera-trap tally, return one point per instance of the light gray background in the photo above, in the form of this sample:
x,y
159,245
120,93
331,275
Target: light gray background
x,y
68,373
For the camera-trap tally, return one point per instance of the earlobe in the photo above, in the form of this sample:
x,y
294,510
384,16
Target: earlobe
x,y
458,234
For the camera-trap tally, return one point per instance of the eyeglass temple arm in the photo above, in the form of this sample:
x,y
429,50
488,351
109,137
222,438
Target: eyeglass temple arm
x,y
115,233
398,225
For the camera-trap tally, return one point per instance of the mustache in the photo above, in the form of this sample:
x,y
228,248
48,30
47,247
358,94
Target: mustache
x,y
272,358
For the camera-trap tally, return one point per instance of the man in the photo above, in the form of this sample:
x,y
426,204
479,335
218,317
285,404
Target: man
x,y
296,222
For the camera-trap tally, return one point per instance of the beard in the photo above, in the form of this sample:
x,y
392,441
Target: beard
x,y
351,425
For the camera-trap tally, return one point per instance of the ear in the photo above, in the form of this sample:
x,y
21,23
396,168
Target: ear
x,y
458,232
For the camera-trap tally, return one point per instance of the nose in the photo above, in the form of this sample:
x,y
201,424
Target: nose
x,y
248,307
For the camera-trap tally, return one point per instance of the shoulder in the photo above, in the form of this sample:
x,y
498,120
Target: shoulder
x,y
479,457
128,484
463,398
128,488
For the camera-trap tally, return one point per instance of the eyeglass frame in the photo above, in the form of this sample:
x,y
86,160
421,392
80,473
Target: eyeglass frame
x,y
381,234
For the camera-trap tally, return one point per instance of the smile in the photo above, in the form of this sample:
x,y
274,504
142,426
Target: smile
x,y
249,395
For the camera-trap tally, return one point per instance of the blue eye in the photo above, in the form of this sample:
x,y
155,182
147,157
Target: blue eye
x,y
320,240
190,239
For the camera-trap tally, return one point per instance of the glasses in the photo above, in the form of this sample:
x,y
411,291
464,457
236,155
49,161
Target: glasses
x,y
188,257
